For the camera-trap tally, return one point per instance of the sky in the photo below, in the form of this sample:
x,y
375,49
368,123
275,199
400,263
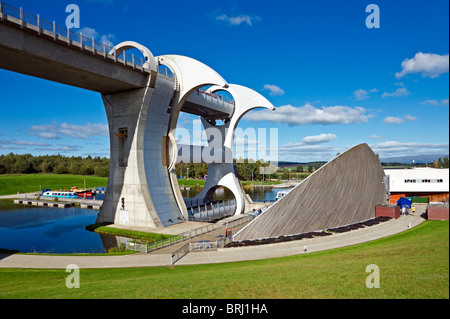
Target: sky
x,y
334,81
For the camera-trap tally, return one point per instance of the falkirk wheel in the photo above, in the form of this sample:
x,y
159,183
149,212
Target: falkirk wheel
x,y
142,188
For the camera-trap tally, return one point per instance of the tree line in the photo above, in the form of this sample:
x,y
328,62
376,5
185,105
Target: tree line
x,y
249,170
53,164
96,166
76,165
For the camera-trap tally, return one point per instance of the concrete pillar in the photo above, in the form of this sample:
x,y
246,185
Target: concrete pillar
x,y
139,191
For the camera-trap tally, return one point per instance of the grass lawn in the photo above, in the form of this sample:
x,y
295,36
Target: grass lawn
x,y
191,182
413,264
11,184
103,228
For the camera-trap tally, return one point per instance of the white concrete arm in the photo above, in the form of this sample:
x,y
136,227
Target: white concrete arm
x,y
150,61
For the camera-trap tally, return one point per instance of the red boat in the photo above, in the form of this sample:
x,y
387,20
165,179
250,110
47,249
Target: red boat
x,y
84,194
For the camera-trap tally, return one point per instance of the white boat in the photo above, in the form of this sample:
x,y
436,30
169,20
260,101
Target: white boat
x,y
281,194
59,194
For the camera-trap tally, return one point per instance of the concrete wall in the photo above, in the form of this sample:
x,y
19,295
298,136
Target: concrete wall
x,y
139,191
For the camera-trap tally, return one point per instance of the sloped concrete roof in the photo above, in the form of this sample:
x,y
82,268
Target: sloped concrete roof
x,y
343,191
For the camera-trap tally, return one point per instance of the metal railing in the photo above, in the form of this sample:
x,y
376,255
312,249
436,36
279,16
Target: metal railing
x,y
153,246
136,246
179,253
50,29
215,96
208,245
208,212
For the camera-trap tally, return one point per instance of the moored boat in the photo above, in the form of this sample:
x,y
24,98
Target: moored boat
x,y
59,194
281,194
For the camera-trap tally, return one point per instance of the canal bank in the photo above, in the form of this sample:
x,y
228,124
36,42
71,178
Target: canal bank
x,y
54,230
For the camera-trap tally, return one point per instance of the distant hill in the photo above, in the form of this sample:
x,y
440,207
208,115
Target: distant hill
x,y
417,159
294,164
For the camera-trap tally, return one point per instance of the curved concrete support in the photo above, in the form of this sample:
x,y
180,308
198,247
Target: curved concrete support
x,y
190,75
223,174
139,191
150,61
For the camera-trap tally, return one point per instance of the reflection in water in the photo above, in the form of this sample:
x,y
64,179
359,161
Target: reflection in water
x,y
50,230
62,230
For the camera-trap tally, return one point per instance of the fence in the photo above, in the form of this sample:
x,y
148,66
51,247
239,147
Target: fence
x,y
153,246
179,253
50,29
136,246
198,246
212,211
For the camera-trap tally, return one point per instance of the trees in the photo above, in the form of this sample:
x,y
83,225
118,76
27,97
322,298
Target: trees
x,y
441,163
58,164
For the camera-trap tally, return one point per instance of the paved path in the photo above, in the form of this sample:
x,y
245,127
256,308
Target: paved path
x,y
222,255
24,195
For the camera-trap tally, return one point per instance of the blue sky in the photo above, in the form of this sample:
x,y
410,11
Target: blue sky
x,y
335,82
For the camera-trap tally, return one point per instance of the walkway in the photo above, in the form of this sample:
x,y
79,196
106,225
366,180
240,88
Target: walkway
x,y
221,255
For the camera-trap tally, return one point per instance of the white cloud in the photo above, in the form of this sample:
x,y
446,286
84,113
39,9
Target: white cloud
x,y
22,143
430,102
395,148
376,137
309,114
11,147
435,102
398,120
363,94
360,94
301,152
319,139
239,19
427,64
273,89
397,93
108,39
393,120
56,130
60,148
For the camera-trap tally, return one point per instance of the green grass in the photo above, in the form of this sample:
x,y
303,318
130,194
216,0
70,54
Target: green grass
x,y
201,182
248,183
191,182
102,228
11,184
413,264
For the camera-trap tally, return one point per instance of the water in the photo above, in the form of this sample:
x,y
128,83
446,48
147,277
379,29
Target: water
x,y
49,230
62,230
258,194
